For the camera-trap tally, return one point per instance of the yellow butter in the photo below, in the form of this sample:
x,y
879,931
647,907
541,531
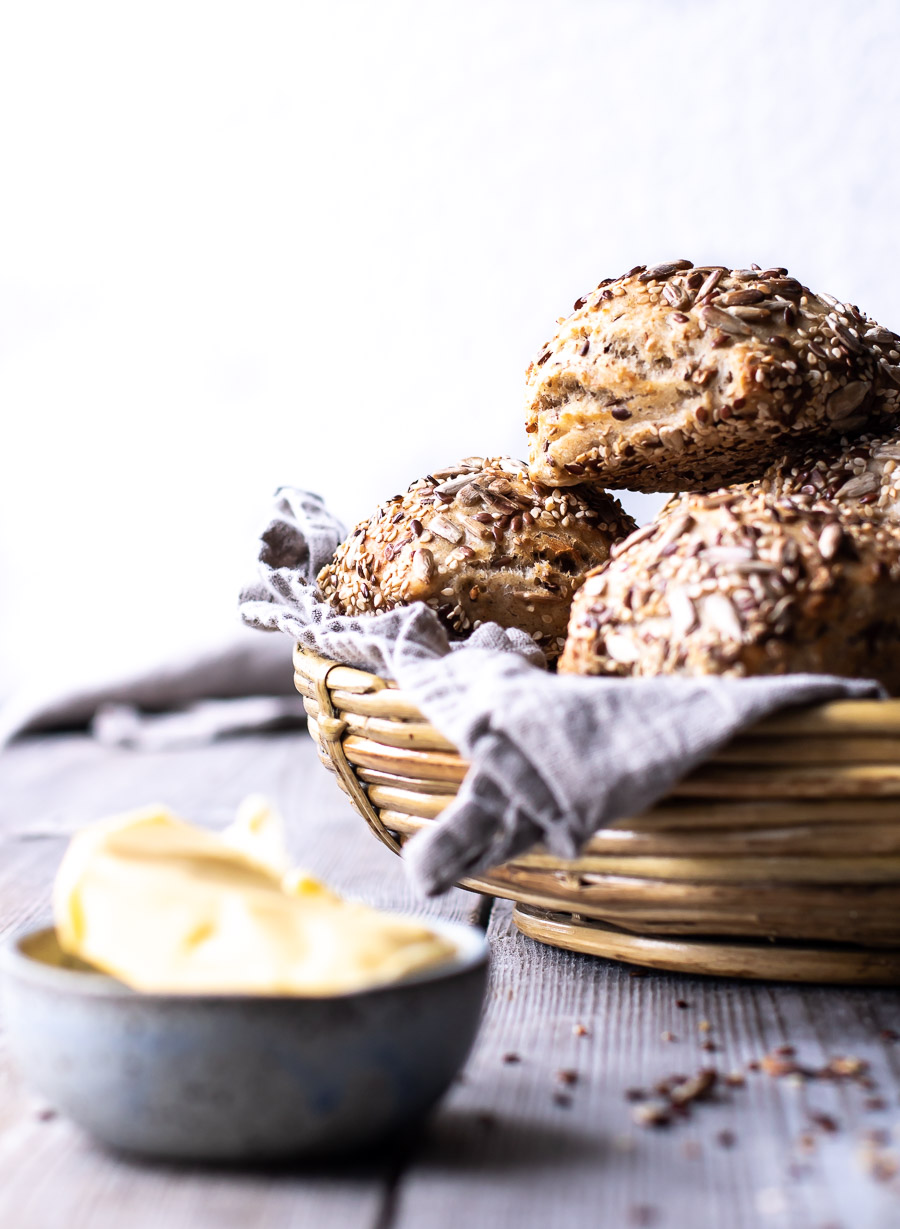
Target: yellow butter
x,y
166,906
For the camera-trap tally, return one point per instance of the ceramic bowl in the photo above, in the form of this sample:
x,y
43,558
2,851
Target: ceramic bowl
x,y
239,1078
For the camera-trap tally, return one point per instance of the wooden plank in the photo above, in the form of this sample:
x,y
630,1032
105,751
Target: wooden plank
x,y
502,1152
48,788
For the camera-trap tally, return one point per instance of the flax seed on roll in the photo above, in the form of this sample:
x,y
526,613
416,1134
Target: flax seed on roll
x,y
862,474
741,582
478,542
682,377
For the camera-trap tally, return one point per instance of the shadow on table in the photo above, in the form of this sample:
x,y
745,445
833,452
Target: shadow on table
x,y
456,1140
461,1140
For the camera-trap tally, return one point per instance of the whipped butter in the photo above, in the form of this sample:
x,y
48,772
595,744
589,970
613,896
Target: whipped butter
x,y
165,906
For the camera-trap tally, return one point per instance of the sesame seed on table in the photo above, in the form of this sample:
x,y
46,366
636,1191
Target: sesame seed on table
x,y
614,1110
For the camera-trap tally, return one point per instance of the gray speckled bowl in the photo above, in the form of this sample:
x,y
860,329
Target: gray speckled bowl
x,y
239,1077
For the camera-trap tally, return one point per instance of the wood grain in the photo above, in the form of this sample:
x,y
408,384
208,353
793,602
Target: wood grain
x,y
537,1164
50,787
500,1152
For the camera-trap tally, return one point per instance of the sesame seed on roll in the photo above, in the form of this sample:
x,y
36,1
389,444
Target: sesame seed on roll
x,y
478,542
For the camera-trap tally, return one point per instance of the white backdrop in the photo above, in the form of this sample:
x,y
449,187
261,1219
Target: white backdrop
x,y
253,243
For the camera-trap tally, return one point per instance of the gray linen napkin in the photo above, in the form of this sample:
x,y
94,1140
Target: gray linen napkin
x,y
553,757
241,686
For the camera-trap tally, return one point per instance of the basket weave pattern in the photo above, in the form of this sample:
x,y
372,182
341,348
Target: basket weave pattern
x,y
791,833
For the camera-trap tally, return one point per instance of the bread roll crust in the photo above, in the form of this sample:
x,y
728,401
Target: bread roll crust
x,y
683,377
739,582
862,475
478,542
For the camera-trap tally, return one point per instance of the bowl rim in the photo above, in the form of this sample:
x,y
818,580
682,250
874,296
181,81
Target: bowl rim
x,y
16,965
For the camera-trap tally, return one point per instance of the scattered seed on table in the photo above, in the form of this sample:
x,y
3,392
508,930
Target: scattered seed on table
x,y
774,1066
652,1114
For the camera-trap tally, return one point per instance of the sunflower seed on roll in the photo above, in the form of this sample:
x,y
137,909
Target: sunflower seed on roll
x,y
751,583
479,542
680,378
862,473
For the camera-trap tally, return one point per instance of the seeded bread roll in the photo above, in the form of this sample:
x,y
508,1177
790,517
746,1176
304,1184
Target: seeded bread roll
x,y
862,474
478,542
738,583
680,378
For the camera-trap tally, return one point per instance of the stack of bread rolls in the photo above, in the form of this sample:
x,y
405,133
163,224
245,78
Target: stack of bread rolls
x,y
773,411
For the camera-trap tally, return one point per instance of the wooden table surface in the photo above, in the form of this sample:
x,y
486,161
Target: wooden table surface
x,y
539,1131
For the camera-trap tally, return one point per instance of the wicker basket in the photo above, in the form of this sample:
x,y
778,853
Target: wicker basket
x,y
779,858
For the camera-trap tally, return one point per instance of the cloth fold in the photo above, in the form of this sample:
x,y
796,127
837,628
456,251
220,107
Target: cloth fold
x,y
553,757
231,688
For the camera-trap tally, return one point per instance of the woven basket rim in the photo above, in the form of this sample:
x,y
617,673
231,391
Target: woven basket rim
x,y
834,716
793,830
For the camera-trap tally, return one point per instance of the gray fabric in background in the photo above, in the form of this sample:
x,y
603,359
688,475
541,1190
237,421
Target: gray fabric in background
x,y
234,688
553,757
